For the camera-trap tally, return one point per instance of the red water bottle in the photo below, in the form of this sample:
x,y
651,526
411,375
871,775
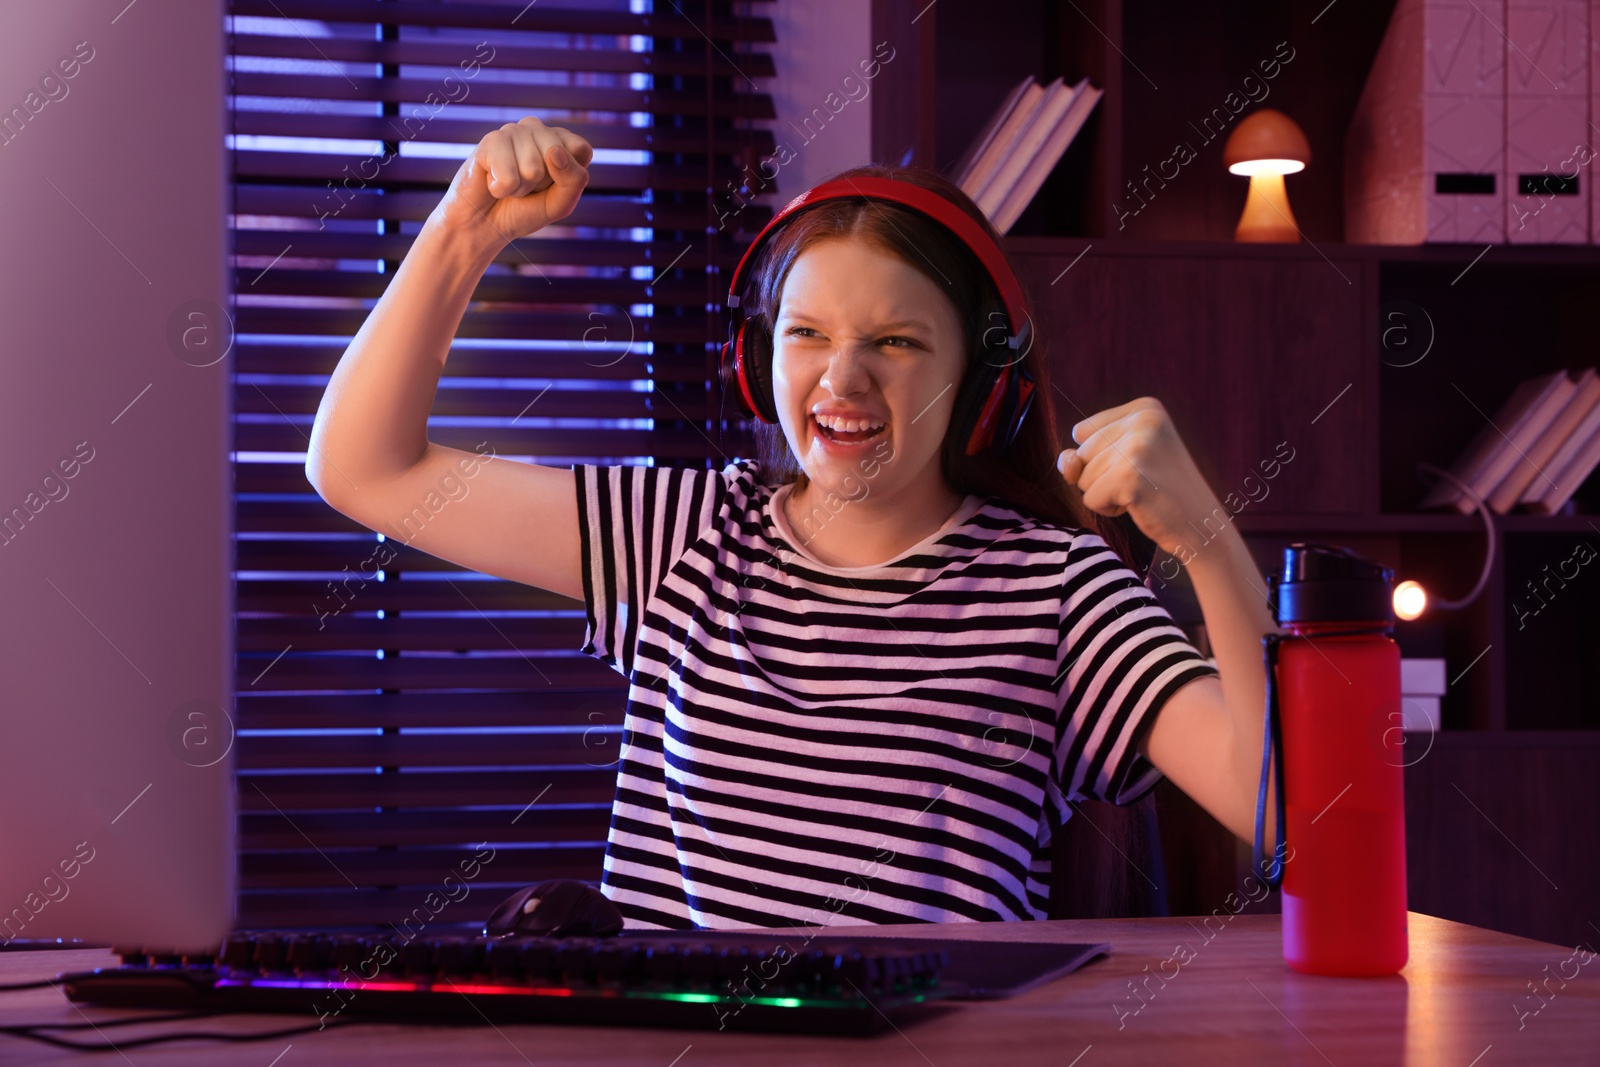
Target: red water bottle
x,y
1332,729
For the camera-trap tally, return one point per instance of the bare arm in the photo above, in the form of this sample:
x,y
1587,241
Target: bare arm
x,y
1208,737
370,457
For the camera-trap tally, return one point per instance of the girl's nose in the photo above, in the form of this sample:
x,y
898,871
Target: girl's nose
x,y
846,372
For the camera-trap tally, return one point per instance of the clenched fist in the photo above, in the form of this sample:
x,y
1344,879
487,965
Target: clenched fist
x,y
518,180
1130,459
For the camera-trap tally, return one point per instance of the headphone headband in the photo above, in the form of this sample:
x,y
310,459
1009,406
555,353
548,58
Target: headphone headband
x,y
990,413
928,203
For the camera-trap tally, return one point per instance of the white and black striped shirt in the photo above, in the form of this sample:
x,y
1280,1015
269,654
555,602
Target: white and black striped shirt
x,y
812,744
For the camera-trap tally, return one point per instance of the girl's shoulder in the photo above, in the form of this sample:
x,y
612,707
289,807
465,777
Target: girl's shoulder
x,y
742,487
1011,521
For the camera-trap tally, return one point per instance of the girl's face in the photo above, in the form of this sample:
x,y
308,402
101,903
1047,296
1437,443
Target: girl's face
x,y
861,333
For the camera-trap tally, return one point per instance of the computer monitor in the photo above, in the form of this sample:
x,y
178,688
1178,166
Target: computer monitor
x,y
116,525
118,821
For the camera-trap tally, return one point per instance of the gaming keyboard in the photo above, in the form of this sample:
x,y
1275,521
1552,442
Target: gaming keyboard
x,y
805,981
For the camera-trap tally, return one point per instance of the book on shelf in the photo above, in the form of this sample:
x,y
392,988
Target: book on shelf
x,y
976,160
1570,466
1530,475
973,179
1084,98
1026,145
1530,409
1008,162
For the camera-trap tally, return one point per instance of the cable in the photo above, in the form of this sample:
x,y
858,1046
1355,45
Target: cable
x,y
101,1025
1488,522
26,985
31,1032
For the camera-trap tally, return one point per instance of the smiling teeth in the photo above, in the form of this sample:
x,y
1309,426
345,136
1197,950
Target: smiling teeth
x,y
847,425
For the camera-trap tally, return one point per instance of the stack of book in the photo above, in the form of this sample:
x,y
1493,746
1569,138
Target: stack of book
x,y
1421,686
1013,155
1537,451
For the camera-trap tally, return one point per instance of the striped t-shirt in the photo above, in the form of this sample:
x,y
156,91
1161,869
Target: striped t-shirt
x,y
810,744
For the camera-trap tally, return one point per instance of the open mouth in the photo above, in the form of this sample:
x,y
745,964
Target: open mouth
x,y
844,437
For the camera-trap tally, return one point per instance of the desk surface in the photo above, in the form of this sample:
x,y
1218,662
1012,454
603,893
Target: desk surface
x,y
1463,1000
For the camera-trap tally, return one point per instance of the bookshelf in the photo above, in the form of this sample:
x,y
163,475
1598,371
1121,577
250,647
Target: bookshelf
x,y
1251,345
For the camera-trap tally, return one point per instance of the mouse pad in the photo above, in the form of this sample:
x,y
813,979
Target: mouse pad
x,y
989,970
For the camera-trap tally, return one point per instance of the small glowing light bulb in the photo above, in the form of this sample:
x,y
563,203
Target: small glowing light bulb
x,y
1410,600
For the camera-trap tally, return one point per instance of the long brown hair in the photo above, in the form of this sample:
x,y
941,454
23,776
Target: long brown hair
x,y
1024,474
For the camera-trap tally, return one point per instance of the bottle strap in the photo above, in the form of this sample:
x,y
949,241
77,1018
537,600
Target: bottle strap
x,y
1272,753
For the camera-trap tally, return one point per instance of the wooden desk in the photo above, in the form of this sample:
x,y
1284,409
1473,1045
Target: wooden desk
x,y
1233,1002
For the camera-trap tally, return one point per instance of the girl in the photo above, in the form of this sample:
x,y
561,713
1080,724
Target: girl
x,y
867,672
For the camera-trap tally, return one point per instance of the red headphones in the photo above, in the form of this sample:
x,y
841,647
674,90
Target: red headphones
x,y
996,397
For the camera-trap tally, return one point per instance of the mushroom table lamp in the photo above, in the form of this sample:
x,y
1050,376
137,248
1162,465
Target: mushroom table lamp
x,y
1265,146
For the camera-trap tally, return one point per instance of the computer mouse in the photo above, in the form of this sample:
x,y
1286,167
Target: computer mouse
x,y
559,907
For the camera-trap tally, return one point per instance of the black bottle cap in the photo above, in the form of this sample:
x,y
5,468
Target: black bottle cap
x,y
1330,583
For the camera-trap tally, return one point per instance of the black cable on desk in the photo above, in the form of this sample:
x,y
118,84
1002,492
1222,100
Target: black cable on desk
x,y
40,984
104,1023
32,1032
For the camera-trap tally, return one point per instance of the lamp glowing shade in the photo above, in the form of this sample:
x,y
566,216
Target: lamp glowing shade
x,y
1265,146
1410,600
1251,167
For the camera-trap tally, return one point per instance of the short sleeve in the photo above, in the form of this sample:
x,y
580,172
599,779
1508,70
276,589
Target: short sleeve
x,y
1122,656
634,524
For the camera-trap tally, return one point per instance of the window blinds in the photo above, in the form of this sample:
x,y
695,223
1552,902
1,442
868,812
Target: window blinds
x,y
414,739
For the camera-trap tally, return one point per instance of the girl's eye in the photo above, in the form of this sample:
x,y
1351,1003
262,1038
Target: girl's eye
x,y
796,331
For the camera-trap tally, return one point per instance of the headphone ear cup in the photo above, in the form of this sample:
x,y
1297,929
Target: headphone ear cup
x,y
969,405
990,387
757,364
732,369
1020,404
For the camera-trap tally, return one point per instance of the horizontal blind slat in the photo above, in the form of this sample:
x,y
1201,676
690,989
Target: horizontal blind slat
x,y
414,205
505,56
555,445
427,92
443,130
326,168
357,555
512,17
530,252
420,750
525,289
413,867
435,789
543,706
319,167
497,403
294,673
407,634
592,363
514,325
366,829
291,596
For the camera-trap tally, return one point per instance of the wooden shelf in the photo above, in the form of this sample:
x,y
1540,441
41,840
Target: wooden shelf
x,y
1456,255
1403,523
1252,347
1497,739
